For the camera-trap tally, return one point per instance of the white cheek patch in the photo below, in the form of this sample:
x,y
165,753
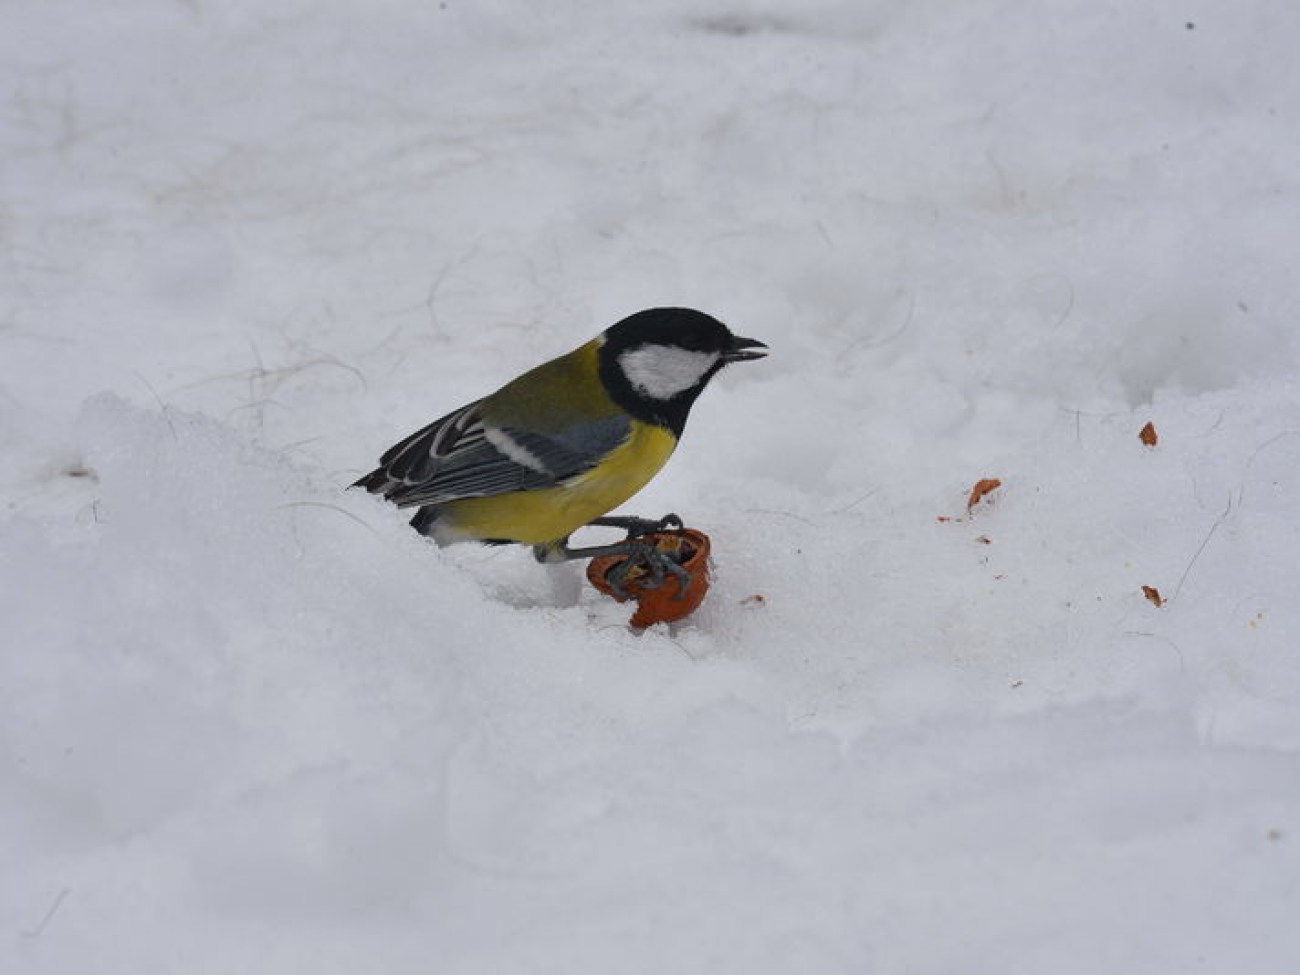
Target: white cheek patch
x,y
663,371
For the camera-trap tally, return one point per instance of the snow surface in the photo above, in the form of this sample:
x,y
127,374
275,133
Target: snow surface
x,y
251,723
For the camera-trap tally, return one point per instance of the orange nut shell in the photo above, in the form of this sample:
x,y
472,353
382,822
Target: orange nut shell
x,y
664,603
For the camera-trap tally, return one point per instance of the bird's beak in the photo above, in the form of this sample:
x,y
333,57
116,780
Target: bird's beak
x,y
743,349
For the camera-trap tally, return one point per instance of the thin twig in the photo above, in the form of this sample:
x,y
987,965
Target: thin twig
x,y
332,507
162,406
1241,492
49,915
853,504
1206,541
1182,662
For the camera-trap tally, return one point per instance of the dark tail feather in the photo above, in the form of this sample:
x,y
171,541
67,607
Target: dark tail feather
x,y
375,482
378,482
424,519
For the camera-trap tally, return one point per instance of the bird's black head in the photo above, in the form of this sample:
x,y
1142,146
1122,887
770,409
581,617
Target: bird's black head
x,y
656,362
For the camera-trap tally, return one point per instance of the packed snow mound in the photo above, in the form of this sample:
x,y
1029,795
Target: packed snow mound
x,y
239,700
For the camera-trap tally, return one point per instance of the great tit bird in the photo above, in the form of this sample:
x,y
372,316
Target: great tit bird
x,y
565,443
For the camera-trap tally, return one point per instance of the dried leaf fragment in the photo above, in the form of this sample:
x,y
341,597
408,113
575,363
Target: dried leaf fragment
x,y
983,487
1148,435
1153,594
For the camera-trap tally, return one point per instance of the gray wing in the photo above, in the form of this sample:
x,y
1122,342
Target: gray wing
x,y
464,456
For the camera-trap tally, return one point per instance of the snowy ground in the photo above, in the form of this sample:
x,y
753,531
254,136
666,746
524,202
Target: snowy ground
x,y
249,723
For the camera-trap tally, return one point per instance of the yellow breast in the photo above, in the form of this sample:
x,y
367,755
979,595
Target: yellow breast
x,y
552,514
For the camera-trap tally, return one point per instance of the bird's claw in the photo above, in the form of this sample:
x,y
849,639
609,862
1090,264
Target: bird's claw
x,y
658,565
670,521
638,527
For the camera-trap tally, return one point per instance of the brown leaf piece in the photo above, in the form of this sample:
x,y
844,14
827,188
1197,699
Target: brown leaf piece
x,y
1148,435
1153,594
983,488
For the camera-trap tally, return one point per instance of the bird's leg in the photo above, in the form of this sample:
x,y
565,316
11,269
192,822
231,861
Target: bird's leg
x,y
636,527
657,563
